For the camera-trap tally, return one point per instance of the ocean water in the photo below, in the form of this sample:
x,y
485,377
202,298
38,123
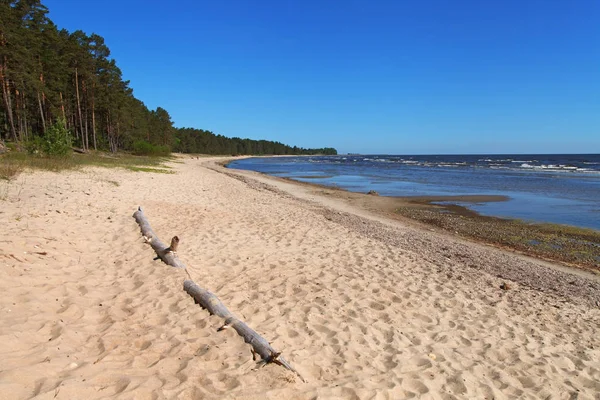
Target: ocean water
x,y
562,189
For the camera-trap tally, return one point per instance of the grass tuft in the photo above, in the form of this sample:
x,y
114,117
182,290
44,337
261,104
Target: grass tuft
x,y
146,169
9,170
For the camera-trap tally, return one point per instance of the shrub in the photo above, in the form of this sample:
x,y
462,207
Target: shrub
x,y
143,148
56,142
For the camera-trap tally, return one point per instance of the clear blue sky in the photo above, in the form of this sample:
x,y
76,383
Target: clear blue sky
x,y
404,77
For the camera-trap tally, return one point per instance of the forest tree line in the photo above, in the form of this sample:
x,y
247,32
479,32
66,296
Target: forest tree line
x,y
49,74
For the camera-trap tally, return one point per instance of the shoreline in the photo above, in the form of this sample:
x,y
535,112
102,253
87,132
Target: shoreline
x,y
364,209
361,304
574,247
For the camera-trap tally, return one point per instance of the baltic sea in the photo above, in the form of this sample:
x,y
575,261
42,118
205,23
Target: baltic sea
x,y
563,189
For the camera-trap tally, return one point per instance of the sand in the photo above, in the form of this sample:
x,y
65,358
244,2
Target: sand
x,y
363,306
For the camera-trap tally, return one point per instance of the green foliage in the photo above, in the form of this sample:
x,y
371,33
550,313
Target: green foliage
x,y
56,142
49,73
143,148
18,161
189,140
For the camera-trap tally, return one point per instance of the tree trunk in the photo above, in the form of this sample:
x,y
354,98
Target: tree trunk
x,y
8,105
41,111
25,123
73,119
110,131
62,107
78,104
117,134
86,137
40,98
6,95
19,113
94,119
94,127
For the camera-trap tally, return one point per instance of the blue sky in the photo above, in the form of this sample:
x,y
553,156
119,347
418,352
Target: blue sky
x,y
404,77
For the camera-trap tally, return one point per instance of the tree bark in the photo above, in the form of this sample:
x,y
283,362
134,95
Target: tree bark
x,y
41,111
110,132
94,127
40,98
86,140
9,111
78,104
62,107
117,134
5,89
86,136
19,113
25,123
94,117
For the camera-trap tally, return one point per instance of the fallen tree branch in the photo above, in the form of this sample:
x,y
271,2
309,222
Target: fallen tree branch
x,y
208,300
166,253
213,305
80,151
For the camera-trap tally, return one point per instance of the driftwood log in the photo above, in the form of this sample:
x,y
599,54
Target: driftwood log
x,y
208,300
213,305
166,253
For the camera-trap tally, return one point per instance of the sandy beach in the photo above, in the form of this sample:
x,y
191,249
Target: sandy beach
x,y
362,305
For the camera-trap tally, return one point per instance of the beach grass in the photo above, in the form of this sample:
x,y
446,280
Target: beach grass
x,y
163,170
10,170
12,163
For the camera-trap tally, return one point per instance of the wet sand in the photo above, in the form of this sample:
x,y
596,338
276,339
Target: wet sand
x,y
570,246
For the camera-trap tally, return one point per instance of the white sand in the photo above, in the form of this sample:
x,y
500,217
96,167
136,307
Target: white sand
x,y
361,306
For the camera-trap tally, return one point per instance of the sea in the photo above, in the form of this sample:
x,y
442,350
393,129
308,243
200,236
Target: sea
x,y
555,188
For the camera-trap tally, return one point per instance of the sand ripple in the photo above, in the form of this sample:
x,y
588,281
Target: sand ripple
x,y
86,312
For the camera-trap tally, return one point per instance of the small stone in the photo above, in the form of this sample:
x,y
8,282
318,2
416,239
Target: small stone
x,y
504,286
373,193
